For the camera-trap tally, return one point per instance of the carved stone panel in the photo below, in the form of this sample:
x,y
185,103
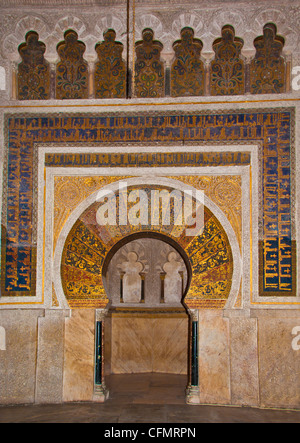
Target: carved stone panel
x,y
132,281
173,286
149,69
135,274
267,69
72,70
187,70
227,76
33,71
110,70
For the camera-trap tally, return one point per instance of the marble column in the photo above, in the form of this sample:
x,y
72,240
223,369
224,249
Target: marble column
x,y
143,276
193,392
162,287
101,393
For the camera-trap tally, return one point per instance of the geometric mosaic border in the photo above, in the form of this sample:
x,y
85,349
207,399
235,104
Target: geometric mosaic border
x,y
272,128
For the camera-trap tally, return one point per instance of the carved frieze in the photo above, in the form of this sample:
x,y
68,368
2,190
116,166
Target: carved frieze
x,y
149,78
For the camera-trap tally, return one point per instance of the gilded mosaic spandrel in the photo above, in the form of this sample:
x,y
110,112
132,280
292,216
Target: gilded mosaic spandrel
x,y
225,192
70,191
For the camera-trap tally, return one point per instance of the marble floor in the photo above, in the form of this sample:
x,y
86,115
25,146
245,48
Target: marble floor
x,y
143,398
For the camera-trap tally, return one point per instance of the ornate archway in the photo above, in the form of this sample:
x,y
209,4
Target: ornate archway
x,y
215,269
85,245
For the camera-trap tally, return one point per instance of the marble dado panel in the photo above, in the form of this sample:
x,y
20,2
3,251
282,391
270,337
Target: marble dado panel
x,y
249,361
79,356
50,357
18,361
279,362
242,361
214,361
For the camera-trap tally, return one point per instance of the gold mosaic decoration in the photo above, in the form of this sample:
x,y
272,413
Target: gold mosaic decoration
x,y
69,192
34,70
72,72
272,129
225,192
266,73
268,69
88,244
187,70
227,76
110,70
149,69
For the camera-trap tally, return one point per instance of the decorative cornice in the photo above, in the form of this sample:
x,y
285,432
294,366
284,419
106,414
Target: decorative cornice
x,y
75,3
90,18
